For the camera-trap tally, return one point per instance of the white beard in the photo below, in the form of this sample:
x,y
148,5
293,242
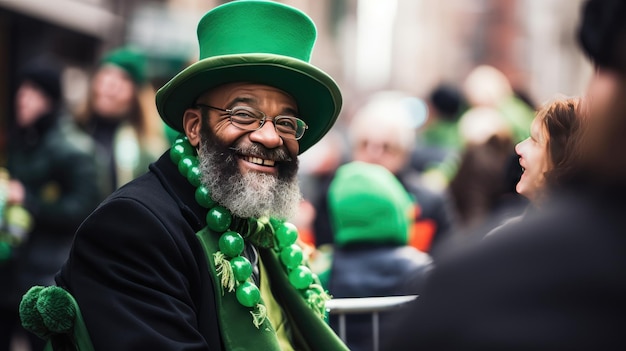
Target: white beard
x,y
252,194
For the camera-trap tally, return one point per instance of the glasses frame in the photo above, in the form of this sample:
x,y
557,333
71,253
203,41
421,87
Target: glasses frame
x,y
262,120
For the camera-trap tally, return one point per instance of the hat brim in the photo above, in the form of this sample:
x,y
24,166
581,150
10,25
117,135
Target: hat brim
x,y
316,93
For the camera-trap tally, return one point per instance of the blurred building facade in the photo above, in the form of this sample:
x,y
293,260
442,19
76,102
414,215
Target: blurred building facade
x,y
368,45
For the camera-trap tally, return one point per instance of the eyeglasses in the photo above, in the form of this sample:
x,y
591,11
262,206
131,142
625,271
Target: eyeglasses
x,y
248,118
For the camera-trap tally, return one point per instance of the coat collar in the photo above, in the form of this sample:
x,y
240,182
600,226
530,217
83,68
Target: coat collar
x,y
181,191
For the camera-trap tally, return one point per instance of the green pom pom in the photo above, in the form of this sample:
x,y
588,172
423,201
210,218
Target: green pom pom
x,y
57,310
29,315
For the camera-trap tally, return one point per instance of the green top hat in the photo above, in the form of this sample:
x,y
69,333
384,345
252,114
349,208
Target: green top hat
x,y
261,42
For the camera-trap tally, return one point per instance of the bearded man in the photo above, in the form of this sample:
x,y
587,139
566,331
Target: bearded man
x,y
197,253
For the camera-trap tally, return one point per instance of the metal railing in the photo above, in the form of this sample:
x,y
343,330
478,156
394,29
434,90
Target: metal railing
x,y
373,305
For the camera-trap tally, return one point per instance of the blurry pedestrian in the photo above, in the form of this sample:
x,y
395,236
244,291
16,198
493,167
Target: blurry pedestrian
x,y
555,280
487,86
383,132
119,114
371,214
439,144
53,176
478,189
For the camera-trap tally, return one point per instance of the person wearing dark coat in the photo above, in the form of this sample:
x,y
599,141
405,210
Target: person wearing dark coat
x,y
198,253
53,177
371,215
554,280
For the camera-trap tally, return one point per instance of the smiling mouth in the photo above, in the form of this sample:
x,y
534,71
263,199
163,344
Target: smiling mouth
x,y
259,161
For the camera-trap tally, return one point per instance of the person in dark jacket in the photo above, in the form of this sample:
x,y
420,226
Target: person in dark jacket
x,y
555,280
53,177
197,253
371,214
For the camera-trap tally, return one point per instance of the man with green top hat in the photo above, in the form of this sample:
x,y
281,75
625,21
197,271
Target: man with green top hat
x,y
198,253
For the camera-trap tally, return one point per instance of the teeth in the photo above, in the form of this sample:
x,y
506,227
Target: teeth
x,y
260,161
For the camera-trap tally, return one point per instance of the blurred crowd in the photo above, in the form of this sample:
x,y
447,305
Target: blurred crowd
x,y
411,195
63,162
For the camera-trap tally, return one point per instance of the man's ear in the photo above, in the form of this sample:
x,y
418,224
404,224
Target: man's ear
x,y
192,120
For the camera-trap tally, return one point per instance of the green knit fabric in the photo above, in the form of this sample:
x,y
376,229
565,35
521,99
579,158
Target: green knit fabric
x,y
53,314
368,204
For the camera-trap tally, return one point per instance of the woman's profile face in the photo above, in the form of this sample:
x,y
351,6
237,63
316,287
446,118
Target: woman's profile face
x,y
533,157
113,92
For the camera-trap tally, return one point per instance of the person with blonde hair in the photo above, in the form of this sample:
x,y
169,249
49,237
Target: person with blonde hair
x,y
120,115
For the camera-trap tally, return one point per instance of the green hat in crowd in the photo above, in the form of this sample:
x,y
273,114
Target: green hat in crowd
x,y
368,204
131,60
261,42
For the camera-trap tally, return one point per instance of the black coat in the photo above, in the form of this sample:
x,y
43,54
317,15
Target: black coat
x,y
553,281
139,274
126,266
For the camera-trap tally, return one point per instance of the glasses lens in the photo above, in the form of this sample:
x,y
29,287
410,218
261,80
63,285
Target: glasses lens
x,y
289,127
246,118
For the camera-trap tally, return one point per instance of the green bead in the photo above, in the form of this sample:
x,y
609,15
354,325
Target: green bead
x,y
203,197
194,175
177,151
301,277
185,163
181,138
291,256
242,269
286,235
218,219
248,294
231,244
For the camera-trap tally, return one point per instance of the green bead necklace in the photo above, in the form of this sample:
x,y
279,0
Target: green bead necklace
x,y
235,270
